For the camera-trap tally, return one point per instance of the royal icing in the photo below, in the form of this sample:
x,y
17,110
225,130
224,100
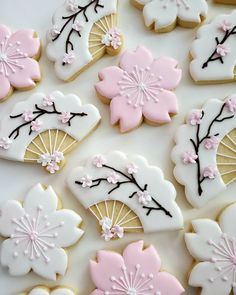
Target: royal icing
x,y
213,245
131,181
35,234
45,291
164,13
141,87
18,68
82,31
213,51
40,113
136,272
201,165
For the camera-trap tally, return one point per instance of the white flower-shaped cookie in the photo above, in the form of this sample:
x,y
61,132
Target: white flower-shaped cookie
x,y
214,246
43,290
36,233
163,15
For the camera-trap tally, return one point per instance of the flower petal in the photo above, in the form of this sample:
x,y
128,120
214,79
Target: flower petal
x,y
4,31
108,85
69,233
18,266
29,43
24,78
168,284
225,220
8,211
141,57
159,112
128,116
166,68
148,259
39,290
97,292
39,197
198,243
57,265
201,275
109,264
5,87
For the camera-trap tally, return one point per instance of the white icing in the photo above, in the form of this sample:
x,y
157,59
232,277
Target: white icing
x,y
55,50
205,44
80,126
57,291
187,174
36,233
162,190
164,13
214,247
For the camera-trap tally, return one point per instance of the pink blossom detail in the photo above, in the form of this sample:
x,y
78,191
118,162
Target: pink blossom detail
x,y
65,117
48,100
113,273
5,143
77,26
195,117
132,168
54,31
189,157
144,197
211,143
72,6
226,25
57,156
36,125
27,115
18,68
68,58
112,38
140,87
113,177
210,172
52,167
118,231
107,235
86,181
231,104
222,49
98,161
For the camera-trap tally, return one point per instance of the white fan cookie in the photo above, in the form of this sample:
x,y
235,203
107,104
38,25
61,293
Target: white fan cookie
x,y
36,233
126,194
44,128
205,151
213,52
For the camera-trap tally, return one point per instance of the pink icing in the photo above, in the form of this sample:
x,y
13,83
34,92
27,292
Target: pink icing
x,y
136,272
210,172
140,87
222,49
231,104
18,69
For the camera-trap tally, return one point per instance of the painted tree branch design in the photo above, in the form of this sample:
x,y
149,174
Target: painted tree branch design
x,y
128,179
214,56
39,112
71,20
199,141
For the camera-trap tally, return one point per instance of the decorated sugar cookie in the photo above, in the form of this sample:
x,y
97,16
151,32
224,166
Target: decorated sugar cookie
x,y
126,194
137,271
19,68
226,1
140,88
82,32
213,52
205,151
36,233
213,246
44,128
164,15
43,290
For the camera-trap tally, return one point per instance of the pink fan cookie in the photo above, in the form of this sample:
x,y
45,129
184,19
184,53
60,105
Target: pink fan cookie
x,y
140,88
19,68
135,272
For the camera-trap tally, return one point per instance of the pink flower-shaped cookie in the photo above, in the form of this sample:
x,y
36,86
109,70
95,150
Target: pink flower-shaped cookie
x,y
141,87
18,68
136,272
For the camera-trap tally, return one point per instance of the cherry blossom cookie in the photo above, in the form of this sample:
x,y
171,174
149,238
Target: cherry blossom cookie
x,y
205,151
81,33
44,128
213,245
43,290
137,271
140,88
19,52
164,15
213,52
36,233
126,194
